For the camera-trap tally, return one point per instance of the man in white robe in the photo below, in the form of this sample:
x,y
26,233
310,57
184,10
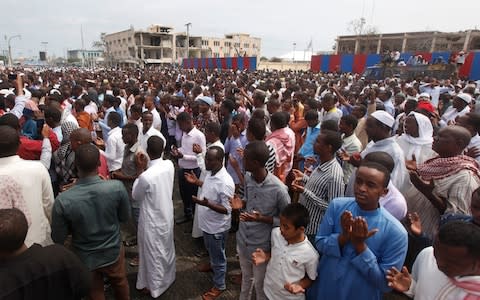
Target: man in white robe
x,y
379,125
156,249
460,107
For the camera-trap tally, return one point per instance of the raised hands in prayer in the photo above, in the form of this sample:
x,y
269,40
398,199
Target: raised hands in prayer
x,y
294,288
355,159
253,216
411,164
343,155
399,281
236,203
141,160
259,257
473,152
203,202
175,152
197,148
191,178
360,234
415,223
296,187
420,184
354,230
298,174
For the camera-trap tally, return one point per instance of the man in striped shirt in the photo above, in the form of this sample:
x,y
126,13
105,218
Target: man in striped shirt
x,y
325,182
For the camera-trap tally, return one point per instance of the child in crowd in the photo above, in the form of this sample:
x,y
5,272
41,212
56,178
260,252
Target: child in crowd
x,y
293,260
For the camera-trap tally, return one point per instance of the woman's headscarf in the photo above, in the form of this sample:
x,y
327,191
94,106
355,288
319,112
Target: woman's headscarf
x,y
420,146
425,130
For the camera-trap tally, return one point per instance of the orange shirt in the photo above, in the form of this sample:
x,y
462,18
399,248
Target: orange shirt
x,y
84,120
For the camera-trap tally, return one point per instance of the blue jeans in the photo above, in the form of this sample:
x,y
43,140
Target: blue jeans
x,y
215,244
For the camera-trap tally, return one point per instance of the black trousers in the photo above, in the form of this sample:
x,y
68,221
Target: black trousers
x,y
187,190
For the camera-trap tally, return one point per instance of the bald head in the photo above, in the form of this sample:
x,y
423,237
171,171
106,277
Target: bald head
x,y
461,134
451,141
9,141
80,136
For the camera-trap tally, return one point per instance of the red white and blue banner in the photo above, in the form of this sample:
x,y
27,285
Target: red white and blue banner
x,y
359,62
235,63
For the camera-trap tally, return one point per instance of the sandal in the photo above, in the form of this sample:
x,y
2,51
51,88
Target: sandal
x,y
130,243
134,262
212,294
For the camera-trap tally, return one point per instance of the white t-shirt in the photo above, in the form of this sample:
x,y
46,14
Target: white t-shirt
x,y
429,283
288,263
218,189
114,148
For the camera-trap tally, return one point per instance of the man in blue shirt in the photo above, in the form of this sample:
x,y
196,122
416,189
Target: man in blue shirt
x,y
359,241
313,130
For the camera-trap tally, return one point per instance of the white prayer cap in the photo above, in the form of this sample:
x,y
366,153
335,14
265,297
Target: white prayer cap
x,y
6,92
54,91
465,97
424,95
384,117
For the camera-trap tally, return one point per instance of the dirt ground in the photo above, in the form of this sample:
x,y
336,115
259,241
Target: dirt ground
x,y
189,283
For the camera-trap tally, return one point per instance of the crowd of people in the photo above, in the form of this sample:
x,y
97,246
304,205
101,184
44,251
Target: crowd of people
x,y
393,58
335,187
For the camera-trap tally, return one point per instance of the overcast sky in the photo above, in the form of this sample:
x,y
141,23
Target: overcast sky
x,y
278,23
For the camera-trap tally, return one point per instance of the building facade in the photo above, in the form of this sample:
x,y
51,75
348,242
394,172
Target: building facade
x,y
133,47
79,54
425,41
160,45
235,44
88,58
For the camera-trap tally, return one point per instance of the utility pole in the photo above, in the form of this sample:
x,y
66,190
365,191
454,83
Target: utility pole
x,y
10,48
293,54
188,37
83,47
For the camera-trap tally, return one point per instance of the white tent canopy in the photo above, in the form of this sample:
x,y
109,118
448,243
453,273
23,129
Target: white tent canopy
x,y
298,55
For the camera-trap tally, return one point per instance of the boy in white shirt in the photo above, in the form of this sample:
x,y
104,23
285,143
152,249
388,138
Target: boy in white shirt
x,y
293,260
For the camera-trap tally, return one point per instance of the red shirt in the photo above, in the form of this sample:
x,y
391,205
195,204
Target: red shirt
x,y
32,149
103,169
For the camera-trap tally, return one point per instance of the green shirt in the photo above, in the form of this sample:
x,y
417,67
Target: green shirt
x,y
92,211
